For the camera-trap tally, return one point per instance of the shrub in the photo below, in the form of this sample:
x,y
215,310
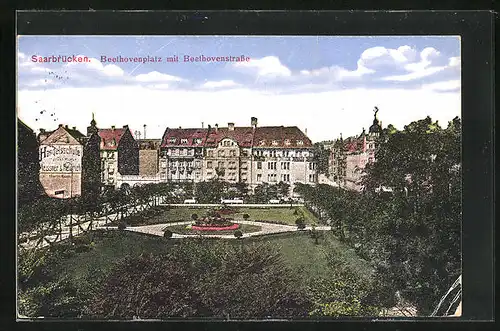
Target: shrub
x,y
238,234
246,217
167,234
194,217
301,224
122,226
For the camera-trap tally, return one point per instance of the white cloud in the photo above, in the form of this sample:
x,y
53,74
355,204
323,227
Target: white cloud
x,y
155,76
454,61
266,66
111,70
222,83
380,57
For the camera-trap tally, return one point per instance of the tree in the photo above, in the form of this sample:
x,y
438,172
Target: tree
x,y
238,234
321,157
210,191
301,224
194,216
283,189
202,280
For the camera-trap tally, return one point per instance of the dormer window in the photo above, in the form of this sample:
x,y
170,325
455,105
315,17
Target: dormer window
x,y
300,142
172,141
184,141
262,142
197,141
287,141
275,143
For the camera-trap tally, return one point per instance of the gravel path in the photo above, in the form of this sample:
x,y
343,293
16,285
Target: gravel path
x,y
267,228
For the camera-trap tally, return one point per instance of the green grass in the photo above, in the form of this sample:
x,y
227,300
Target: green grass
x,y
300,252
284,215
245,228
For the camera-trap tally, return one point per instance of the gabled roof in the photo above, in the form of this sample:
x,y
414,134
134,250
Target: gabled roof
x,y
110,138
63,135
174,137
281,137
242,135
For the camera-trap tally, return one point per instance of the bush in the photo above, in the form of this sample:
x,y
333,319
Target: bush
x,y
167,234
246,217
194,217
122,226
301,224
238,234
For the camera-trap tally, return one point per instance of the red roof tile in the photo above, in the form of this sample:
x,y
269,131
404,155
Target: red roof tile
x,y
242,135
110,138
174,137
281,137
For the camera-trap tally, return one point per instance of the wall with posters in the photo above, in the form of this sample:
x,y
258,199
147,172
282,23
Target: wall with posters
x,y
61,169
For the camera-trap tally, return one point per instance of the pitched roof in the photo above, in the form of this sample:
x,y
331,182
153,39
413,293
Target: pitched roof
x,y
63,135
242,135
110,138
175,137
267,136
148,143
281,137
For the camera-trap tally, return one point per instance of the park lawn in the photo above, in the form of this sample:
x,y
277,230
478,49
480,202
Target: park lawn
x,y
245,228
299,251
282,214
274,214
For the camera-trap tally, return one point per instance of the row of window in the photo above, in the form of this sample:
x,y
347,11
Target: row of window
x,y
276,142
183,141
280,153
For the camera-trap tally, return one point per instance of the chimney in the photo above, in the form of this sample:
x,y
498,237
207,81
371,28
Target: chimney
x,y
144,131
202,125
66,126
74,128
42,130
209,128
216,128
112,127
230,126
305,131
125,127
60,125
254,122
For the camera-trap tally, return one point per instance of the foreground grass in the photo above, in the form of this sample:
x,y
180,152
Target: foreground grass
x,y
183,229
308,260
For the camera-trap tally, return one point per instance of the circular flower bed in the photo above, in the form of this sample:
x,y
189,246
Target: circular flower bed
x,y
215,223
234,226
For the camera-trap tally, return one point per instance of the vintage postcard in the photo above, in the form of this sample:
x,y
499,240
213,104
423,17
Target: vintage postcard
x,y
238,177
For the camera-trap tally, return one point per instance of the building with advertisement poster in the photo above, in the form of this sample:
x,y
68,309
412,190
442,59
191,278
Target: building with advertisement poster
x,y
60,156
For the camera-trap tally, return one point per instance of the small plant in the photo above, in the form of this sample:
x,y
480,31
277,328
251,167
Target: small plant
x,y
301,224
238,234
167,234
246,217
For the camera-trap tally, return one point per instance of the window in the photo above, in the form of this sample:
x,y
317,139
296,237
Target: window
x,y
172,140
221,164
300,142
197,141
312,178
259,177
312,166
271,165
262,142
184,141
271,177
209,164
287,142
210,153
285,165
221,153
259,165
285,177
275,143
232,153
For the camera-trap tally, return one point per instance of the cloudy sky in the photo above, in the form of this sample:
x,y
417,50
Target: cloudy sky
x,y
327,85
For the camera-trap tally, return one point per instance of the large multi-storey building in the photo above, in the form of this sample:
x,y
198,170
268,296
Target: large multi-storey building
x,y
350,156
252,155
28,167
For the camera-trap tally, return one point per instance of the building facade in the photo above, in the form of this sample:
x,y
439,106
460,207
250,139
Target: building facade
x,y
119,153
60,157
252,155
149,153
349,157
